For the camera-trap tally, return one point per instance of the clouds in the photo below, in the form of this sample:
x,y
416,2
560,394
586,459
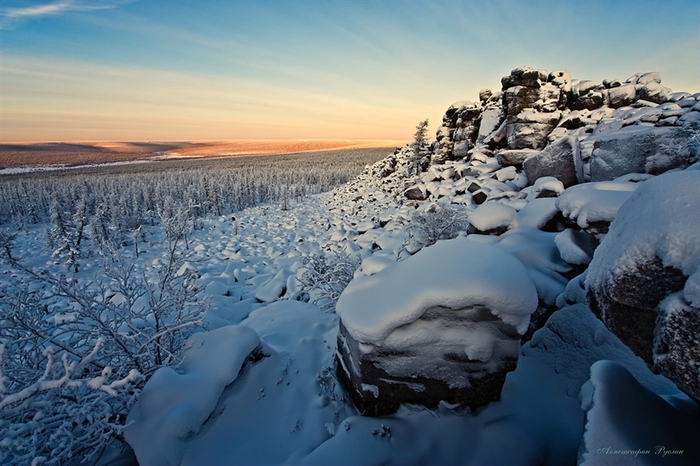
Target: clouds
x,y
13,16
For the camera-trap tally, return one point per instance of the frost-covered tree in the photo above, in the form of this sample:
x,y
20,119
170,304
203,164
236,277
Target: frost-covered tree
x,y
418,147
64,237
420,137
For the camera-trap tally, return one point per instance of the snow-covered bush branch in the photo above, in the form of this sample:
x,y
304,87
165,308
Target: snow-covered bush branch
x,y
325,277
439,221
75,355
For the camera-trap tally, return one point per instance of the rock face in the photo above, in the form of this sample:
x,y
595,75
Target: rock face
x,y
613,128
644,279
453,335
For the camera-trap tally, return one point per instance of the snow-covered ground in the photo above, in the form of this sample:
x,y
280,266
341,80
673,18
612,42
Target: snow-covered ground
x,y
288,407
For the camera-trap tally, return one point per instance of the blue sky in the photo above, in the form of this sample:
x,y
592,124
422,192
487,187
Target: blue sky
x,y
215,69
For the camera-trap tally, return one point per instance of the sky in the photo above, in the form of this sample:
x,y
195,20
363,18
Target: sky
x,y
136,70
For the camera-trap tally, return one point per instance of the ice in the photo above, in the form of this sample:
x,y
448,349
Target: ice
x,y
463,273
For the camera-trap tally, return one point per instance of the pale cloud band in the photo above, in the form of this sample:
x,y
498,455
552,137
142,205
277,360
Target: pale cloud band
x,y
11,16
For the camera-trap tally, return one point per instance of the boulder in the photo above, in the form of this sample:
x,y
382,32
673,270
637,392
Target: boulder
x,y
593,206
492,218
557,160
407,336
524,76
444,144
591,101
551,98
529,129
653,91
635,149
561,79
644,279
491,119
518,98
514,157
417,192
621,96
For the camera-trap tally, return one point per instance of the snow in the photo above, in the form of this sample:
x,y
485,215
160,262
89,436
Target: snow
x,y
177,401
619,432
493,215
219,407
660,219
594,202
462,274
278,401
575,247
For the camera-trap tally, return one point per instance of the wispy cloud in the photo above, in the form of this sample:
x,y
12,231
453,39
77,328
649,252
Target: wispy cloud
x,y
10,17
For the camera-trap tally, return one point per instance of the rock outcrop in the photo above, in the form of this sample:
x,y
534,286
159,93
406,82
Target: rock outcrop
x,y
613,128
548,193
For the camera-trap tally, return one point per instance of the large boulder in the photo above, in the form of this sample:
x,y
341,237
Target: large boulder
x,y
518,98
524,76
644,279
636,149
557,159
407,336
593,206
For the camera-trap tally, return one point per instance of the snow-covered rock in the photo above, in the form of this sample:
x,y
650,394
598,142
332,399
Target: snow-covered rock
x,y
651,252
592,206
449,335
177,402
636,149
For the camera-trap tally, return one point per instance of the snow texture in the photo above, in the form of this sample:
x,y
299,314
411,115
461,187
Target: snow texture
x,y
176,402
594,202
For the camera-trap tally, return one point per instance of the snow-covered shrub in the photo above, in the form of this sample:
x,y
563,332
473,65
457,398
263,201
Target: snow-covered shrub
x,y
75,355
325,277
438,221
69,413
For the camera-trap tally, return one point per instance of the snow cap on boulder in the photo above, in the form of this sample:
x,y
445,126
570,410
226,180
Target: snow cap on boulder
x,y
454,274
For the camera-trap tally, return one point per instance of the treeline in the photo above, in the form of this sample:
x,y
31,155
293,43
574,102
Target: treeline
x,y
133,195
